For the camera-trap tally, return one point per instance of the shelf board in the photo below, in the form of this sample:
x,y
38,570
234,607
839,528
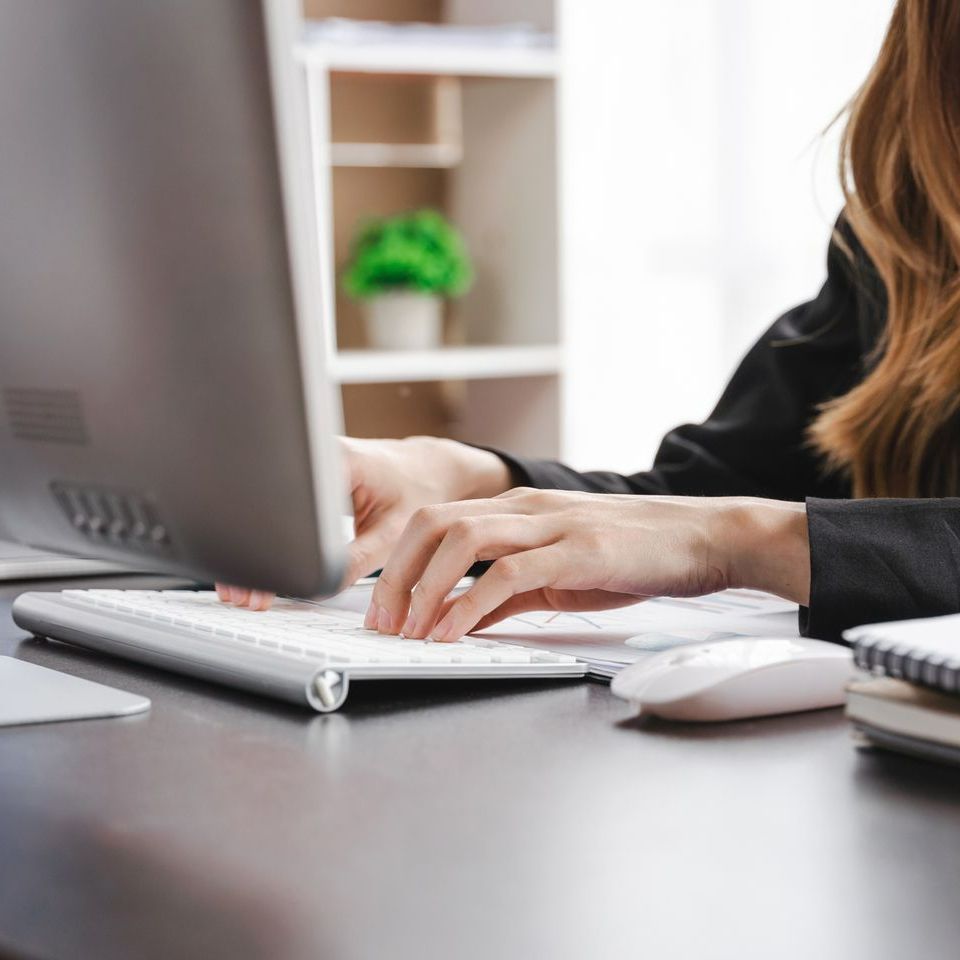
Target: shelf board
x,y
444,363
431,60
423,155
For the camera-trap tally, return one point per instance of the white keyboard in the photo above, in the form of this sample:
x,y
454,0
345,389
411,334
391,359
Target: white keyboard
x,y
298,650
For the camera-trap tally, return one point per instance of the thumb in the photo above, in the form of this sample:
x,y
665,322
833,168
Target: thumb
x,y
517,604
369,551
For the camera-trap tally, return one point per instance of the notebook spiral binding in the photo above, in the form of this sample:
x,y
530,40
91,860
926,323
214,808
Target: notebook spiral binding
x,y
906,663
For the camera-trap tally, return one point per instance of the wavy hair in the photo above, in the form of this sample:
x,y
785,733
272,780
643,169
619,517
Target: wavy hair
x,y
897,433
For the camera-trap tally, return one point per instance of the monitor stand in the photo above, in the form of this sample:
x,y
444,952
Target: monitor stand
x,y
18,562
30,693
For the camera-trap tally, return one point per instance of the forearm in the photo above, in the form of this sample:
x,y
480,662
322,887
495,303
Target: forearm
x,y
474,473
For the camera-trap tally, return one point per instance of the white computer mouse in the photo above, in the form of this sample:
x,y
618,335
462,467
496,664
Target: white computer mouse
x,y
739,678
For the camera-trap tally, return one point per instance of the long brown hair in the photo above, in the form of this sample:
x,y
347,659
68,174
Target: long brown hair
x,y
897,433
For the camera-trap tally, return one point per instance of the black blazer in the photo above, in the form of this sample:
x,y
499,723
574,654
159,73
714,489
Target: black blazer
x,y
871,560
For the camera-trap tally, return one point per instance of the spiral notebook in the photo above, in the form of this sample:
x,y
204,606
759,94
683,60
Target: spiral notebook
x,y
925,652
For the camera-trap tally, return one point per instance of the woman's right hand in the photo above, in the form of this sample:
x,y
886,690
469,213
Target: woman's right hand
x,y
389,481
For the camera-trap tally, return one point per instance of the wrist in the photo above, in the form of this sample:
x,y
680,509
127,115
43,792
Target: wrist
x,y
769,547
469,473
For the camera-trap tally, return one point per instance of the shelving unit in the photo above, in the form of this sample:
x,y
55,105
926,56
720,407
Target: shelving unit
x,y
470,131
449,363
424,155
431,61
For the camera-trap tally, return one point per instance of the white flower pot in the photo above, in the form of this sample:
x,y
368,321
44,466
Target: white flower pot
x,y
404,321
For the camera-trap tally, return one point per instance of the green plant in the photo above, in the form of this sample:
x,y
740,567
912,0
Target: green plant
x,y
419,251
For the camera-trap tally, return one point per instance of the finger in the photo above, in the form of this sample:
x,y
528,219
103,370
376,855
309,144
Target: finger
x,y
466,541
239,596
444,607
557,601
370,549
417,543
521,603
260,599
223,592
507,577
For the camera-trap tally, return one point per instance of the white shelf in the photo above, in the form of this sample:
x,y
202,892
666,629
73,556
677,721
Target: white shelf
x,y
439,155
431,60
444,363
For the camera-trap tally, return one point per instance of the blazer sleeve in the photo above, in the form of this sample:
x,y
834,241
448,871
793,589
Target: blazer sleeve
x,y
753,444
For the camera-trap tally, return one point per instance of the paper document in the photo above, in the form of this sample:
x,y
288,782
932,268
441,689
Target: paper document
x,y
617,637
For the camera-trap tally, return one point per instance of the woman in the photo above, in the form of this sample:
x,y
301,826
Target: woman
x,y
818,477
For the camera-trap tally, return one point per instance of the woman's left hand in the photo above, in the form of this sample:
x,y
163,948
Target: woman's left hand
x,y
557,550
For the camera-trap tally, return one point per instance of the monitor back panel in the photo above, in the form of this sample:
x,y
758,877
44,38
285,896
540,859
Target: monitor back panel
x,y
151,400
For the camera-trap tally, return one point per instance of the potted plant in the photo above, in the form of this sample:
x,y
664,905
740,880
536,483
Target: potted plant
x,y
401,268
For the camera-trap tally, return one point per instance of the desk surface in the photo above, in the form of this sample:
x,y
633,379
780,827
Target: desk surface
x,y
465,820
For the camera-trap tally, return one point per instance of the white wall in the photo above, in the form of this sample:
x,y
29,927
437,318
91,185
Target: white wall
x,y
697,196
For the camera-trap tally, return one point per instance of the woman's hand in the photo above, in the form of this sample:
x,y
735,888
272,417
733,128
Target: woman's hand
x,y
555,550
389,481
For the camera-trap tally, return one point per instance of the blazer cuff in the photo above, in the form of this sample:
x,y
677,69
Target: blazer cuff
x,y
838,591
876,560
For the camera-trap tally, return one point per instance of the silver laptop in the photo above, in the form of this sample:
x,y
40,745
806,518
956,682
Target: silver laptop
x,y
163,395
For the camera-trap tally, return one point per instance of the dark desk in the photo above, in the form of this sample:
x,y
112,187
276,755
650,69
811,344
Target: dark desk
x,y
488,821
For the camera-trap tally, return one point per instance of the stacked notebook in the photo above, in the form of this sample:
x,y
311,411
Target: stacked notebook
x,y
912,702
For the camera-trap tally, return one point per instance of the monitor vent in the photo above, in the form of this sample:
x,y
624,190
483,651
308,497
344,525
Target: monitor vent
x,y
48,416
122,517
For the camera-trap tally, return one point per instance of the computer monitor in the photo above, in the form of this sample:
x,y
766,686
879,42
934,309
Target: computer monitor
x,y
163,394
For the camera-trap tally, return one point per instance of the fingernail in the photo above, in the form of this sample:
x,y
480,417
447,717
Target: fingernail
x,y
410,626
441,632
383,621
370,620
